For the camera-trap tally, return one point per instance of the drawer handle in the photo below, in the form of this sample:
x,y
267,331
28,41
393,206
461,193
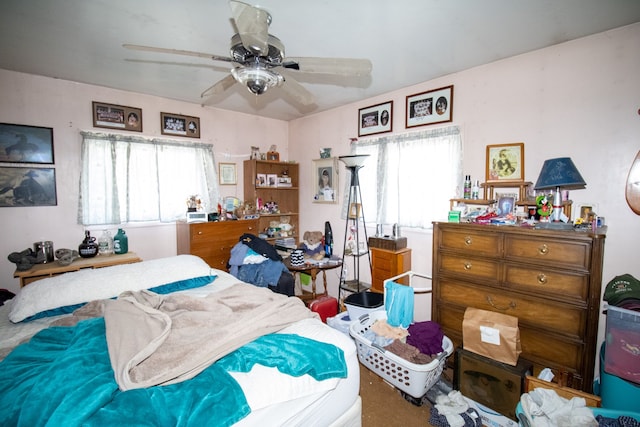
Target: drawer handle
x,y
199,233
490,301
544,249
542,279
467,265
468,240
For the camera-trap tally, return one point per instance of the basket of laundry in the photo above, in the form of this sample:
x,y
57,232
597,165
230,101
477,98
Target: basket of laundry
x,y
414,379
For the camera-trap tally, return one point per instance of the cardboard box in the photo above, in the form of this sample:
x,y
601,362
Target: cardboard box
x,y
491,334
496,385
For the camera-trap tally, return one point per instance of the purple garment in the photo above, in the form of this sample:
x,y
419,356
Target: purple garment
x,y
426,336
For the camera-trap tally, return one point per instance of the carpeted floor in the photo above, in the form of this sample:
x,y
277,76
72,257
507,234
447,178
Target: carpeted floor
x,y
384,406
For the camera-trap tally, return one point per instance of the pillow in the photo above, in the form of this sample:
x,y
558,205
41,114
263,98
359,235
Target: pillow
x,y
86,285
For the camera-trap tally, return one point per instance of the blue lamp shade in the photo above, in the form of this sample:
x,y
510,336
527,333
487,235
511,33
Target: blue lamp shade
x,y
560,172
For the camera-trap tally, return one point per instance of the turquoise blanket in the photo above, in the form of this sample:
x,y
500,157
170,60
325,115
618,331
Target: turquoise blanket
x,y
63,377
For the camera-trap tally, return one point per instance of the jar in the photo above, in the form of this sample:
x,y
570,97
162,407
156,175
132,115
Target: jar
x,y
88,248
44,251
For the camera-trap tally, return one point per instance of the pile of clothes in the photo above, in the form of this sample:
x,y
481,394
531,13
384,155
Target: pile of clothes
x,y
254,260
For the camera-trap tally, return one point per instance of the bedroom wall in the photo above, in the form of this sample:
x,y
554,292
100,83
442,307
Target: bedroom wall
x,y
578,99
66,107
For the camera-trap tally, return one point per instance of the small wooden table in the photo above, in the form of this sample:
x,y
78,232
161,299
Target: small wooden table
x,y
50,269
313,269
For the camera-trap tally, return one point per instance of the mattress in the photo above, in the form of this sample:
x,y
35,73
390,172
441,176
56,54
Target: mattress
x,y
298,401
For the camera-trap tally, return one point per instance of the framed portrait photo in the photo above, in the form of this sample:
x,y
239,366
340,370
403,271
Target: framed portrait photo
x,y
431,107
505,163
227,173
177,124
27,187
26,144
375,119
325,180
116,117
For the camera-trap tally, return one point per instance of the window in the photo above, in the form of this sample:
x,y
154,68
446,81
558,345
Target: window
x,y
132,179
409,179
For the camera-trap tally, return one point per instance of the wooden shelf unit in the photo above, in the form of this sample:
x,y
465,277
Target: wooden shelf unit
x,y
287,198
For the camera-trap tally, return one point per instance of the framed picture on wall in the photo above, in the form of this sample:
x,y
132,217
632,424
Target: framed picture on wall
x,y
227,173
177,124
325,180
26,144
429,108
505,162
375,119
116,117
27,186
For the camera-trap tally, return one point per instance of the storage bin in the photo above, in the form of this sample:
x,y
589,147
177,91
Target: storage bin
x,y
616,393
622,356
363,303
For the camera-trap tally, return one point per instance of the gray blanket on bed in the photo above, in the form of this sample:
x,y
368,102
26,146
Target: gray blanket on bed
x,y
160,340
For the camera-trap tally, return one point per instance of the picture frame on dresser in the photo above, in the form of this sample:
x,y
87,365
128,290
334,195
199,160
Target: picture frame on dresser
x,y
505,163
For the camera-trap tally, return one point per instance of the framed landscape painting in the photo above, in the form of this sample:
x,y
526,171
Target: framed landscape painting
x,y
26,144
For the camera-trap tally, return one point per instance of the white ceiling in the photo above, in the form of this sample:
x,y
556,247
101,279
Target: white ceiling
x,y
408,41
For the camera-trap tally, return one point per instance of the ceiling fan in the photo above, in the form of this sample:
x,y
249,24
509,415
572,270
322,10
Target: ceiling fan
x,y
259,59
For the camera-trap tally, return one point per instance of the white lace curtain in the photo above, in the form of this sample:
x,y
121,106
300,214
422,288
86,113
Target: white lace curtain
x,y
128,179
408,179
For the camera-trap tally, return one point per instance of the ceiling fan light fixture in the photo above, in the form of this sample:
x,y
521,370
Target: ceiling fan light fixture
x,y
257,80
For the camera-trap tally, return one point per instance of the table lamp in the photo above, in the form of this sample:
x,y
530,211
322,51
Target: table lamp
x,y
557,173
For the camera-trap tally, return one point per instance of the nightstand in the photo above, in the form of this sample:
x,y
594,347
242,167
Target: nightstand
x,y
387,263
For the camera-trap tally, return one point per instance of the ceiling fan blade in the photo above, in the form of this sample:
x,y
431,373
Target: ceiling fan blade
x,y
296,91
338,66
176,52
219,87
253,26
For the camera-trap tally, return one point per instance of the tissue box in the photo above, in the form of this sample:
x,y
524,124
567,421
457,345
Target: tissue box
x,y
489,382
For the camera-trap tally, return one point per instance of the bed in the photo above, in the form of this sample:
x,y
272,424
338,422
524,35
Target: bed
x,y
117,345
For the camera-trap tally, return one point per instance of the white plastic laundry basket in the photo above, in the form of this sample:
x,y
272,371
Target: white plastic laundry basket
x,y
409,377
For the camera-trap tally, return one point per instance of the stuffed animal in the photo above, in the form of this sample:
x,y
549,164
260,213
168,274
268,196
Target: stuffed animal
x,y
312,245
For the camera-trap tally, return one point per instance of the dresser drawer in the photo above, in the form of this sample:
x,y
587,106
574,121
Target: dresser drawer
x,y
545,350
473,268
537,312
223,231
488,244
569,254
550,282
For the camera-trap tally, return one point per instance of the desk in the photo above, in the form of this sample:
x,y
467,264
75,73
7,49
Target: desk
x,y
50,269
313,270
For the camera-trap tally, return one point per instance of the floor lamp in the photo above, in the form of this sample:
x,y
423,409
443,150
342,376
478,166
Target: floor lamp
x,y
354,163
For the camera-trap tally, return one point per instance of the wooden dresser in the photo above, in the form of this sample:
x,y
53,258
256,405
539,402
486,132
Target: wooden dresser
x,y
212,241
550,280
386,263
